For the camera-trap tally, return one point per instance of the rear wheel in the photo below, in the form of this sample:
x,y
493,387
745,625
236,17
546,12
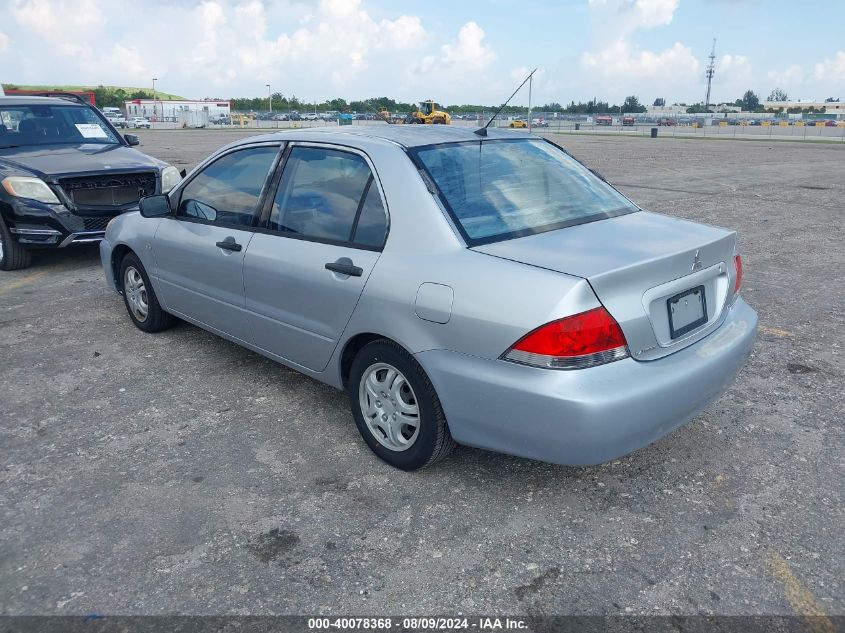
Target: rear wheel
x,y
13,256
140,298
396,408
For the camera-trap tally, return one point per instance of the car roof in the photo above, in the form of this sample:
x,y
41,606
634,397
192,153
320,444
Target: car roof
x,y
31,100
408,136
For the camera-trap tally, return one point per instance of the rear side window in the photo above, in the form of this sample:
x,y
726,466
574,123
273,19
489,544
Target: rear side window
x,y
372,221
327,194
228,190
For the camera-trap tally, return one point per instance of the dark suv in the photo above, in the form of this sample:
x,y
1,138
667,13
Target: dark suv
x,y
65,171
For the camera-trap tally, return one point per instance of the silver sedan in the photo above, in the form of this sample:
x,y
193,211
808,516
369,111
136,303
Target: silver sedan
x,y
483,290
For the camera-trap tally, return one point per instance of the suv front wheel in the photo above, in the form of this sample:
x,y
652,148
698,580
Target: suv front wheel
x,y
13,256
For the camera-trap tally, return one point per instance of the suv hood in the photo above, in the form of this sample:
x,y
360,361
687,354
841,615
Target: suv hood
x,y
51,162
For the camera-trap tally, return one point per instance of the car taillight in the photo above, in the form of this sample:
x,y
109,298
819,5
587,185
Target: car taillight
x,y
738,267
582,340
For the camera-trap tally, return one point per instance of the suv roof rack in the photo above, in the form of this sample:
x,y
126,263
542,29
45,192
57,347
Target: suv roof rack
x,y
61,95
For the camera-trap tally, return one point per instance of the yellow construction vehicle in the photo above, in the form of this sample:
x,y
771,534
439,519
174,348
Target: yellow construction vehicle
x,y
429,114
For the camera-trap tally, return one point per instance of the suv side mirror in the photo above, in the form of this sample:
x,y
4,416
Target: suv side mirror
x,y
155,206
132,139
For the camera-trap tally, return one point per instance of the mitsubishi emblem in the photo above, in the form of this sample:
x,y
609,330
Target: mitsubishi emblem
x,y
696,262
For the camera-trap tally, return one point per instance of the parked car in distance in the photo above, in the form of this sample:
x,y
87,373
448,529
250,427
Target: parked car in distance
x,y
490,291
539,122
519,123
138,121
65,172
116,119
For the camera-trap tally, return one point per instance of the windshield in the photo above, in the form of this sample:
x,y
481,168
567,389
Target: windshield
x,y
26,125
501,189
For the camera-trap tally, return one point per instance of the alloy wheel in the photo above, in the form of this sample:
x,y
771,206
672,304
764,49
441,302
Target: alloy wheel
x,y
136,293
389,406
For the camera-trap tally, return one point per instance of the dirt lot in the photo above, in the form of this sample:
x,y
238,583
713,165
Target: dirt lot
x,y
180,473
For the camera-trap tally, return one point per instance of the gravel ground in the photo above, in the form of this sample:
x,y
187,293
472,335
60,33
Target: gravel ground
x,y
179,473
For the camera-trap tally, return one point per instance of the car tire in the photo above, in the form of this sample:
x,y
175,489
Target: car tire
x,y
398,443
140,298
13,256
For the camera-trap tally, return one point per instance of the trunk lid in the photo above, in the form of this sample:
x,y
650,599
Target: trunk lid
x,y
635,264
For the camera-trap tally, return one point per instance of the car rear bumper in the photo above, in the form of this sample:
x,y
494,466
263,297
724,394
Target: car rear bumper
x,y
588,416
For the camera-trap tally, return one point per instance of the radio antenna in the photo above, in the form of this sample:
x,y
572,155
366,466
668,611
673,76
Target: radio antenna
x,y
483,131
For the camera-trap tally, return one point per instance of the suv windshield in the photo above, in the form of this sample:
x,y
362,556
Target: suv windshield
x,y
501,189
25,125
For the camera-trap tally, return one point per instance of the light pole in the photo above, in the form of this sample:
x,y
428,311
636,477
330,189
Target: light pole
x,y
154,97
270,98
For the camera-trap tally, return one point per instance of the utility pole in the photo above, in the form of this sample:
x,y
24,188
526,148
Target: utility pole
x,y
270,98
711,70
154,97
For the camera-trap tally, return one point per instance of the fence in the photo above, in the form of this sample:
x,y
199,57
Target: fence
x,y
629,125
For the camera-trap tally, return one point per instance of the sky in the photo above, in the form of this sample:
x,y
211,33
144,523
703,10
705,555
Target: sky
x,y
464,51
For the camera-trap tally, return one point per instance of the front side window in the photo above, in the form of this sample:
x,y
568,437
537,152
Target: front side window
x,y
228,190
498,190
28,125
329,195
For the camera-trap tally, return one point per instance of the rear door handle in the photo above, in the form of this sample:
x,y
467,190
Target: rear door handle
x,y
229,244
344,266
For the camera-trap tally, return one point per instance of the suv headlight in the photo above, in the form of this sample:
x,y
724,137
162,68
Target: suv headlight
x,y
170,177
28,187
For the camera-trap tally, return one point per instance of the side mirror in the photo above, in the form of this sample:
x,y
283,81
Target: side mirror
x,y
132,139
155,206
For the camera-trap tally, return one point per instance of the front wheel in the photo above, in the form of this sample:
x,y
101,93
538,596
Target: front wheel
x,y
140,298
396,408
13,256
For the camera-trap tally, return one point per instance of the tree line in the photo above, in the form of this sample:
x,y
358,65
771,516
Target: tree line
x,y
749,102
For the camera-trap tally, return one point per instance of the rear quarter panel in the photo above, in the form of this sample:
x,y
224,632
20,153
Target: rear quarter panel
x,y
495,301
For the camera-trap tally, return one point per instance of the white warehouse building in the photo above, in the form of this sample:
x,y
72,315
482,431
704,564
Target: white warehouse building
x,y
191,113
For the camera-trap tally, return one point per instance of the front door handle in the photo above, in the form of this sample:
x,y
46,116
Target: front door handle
x,y
344,266
229,244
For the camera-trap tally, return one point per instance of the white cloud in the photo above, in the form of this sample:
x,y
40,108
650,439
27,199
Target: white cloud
x,y
618,67
67,24
831,71
789,77
4,42
469,50
233,47
621,60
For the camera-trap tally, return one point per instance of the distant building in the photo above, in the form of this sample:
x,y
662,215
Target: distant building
x,y
836,109
669,110
178,111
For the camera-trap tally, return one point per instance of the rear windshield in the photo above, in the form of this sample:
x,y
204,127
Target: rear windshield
x,y
501,189
25,125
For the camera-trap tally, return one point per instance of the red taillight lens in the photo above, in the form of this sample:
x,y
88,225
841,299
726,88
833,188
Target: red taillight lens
x,y
582,340
738,266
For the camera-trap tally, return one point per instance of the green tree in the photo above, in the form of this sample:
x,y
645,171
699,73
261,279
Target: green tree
x,y
778,95
750,101
632,104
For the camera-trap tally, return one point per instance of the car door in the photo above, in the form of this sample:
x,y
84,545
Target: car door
x,y
307,266
199,251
